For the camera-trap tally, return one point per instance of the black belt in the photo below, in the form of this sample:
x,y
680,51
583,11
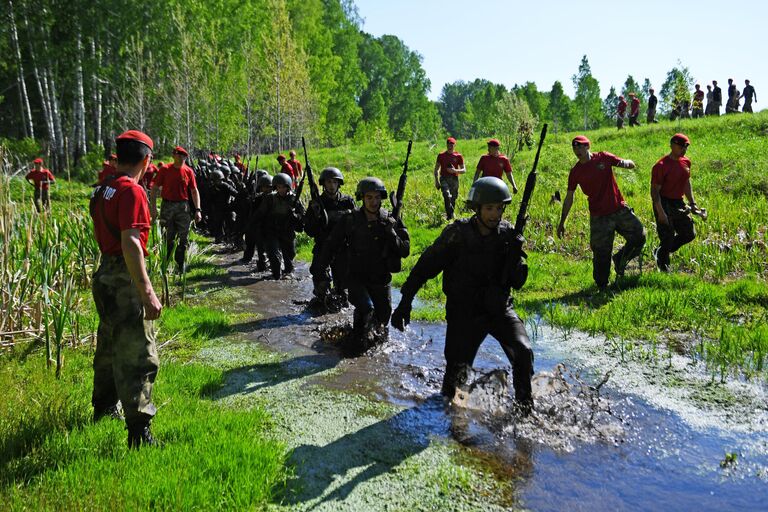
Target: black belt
x,y
170,201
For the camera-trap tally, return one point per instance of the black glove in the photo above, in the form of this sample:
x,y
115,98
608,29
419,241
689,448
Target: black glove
x,y
401,316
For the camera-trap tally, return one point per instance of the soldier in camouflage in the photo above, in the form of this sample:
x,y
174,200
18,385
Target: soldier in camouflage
x,y
125,363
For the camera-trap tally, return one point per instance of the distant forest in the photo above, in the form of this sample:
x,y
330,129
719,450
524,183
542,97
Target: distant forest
x,y
253,76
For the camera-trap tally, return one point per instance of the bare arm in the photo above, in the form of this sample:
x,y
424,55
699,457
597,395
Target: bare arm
x,y
196,203
567,203
134,260
656,198
511,179
689,195
437,177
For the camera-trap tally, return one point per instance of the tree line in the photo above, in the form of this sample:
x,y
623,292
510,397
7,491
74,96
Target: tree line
x,y
250,75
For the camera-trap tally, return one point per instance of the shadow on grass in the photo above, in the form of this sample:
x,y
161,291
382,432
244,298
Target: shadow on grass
x,y
369,452
247,379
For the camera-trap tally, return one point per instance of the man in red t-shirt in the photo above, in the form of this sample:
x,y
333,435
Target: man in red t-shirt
x,y
609,213
149,177
697,108
670,181
634,109
125,363
288,169
108,168
295,165
239,164
495,164
450,165
41,179
177,185
621,112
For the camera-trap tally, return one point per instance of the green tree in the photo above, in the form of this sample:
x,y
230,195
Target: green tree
x,y
559,110
587,98
676,89
610,105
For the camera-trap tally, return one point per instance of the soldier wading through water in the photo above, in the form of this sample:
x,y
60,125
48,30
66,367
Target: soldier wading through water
x,y
375,243
481,260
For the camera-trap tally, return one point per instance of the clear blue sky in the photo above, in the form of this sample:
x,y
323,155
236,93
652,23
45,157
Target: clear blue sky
x,y
542,41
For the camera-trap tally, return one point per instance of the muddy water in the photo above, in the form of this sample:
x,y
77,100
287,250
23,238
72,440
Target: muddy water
x,y
634,444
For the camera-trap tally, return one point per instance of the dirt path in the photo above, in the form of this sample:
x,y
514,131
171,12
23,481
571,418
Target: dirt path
x,y
351,451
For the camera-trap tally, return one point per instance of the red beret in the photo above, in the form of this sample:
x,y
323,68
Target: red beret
x,y
680,138
113,156
580,139
37,161
451,140
280,157
137,136
494,142
180,150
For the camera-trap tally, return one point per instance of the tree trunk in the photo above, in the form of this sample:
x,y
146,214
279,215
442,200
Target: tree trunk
x,y
42,91
80,142
26,110
96,96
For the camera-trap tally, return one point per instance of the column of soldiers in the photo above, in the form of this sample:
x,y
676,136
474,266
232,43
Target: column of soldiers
x,y
357,249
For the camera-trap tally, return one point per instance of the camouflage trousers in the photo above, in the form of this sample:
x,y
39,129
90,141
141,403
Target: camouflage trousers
x,y
125,364
449,186
677,233
42,199
175,219
602,231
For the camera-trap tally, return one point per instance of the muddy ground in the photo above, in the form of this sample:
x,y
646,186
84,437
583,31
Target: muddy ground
x,y
372,432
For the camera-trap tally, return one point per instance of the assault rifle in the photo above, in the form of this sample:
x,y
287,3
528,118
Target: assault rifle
x,y
314,192
530,183
397,198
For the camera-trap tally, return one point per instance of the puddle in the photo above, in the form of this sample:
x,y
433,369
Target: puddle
x,y
603,435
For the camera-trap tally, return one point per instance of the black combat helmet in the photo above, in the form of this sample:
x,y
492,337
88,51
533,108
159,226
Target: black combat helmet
x,y
217,175
265,179
282,179
488,190
331,172
370,184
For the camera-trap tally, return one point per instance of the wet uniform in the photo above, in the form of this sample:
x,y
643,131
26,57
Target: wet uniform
x,y
449,183
220,195
374,250
336,208
281,218
254,234
125,363
672,176
175,212
477,298
609,214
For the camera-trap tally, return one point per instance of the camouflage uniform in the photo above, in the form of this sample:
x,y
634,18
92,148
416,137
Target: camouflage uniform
x,y
125,364
335,207
449,186
175,218
602,230
42,199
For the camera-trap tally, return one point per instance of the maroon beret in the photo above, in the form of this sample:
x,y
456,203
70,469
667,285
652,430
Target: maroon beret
x,y
137,136
451,140
680,138
280,157
37,161
180,150
494,142
580,139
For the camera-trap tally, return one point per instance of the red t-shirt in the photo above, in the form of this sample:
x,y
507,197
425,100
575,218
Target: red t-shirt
x,y
149,176
635,106
175,182
240,167
124,207
41,178
598,183
494,165
449,160
286,168
672,176
622,107
107,169
296,167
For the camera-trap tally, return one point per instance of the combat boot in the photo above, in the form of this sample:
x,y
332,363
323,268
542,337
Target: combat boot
x,y
111,412
139,435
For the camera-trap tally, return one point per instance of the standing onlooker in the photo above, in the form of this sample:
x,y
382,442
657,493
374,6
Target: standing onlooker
x,y
609,213
450,163
495,164
652,102
697,110
41,179
177,185
710,101
731,93
748,94
125,363
621,112
717,98
634,109
670,181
